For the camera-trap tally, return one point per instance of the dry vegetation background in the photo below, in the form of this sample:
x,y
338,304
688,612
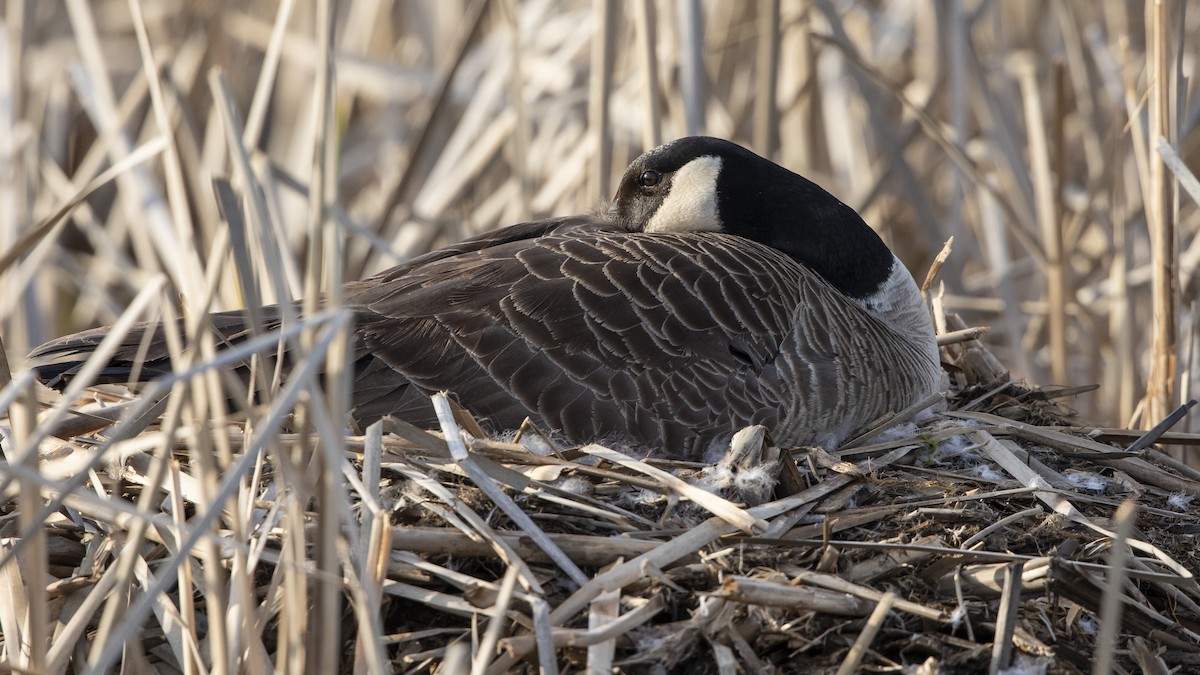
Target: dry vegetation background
x,y
179,155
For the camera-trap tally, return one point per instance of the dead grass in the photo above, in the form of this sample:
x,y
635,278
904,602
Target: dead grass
x,y
162,159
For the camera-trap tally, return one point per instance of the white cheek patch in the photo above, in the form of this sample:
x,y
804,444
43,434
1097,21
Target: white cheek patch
x,y
691,206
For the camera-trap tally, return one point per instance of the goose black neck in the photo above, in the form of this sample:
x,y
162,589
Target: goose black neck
x,y
774,206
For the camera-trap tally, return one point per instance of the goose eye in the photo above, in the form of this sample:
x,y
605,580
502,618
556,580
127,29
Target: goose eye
x,y
650,178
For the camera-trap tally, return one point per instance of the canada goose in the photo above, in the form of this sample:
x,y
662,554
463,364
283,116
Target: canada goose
x,y
720,291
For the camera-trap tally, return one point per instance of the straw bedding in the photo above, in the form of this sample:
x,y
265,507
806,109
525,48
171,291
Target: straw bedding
x,y
920,548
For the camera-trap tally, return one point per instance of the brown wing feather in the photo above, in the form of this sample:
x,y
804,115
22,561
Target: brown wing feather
x,y
59,360
596,334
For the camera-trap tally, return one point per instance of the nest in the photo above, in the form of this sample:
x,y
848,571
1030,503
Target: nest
x,y
1000,533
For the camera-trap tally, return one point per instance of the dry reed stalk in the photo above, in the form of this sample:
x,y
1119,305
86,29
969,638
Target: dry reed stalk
x,y
664,554
1189,259
766,78
475,527
1110,613
326,274
1048,220
229,483
375,542
646,22
567,637
990,579
161,239
175,188
964,335
29,608
458,451
799,139
936,266
32,238
15,188
1121,327
715,504
957,53
863,642
1160,388
690,36
520,139
603,610
257,112
999,260
599,99
1006,619
491,637
1101,452
402,192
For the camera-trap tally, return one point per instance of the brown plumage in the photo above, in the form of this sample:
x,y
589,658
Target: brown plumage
x,y
673,323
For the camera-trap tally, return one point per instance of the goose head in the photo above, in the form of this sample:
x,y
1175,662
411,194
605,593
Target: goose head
x,y
705,184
